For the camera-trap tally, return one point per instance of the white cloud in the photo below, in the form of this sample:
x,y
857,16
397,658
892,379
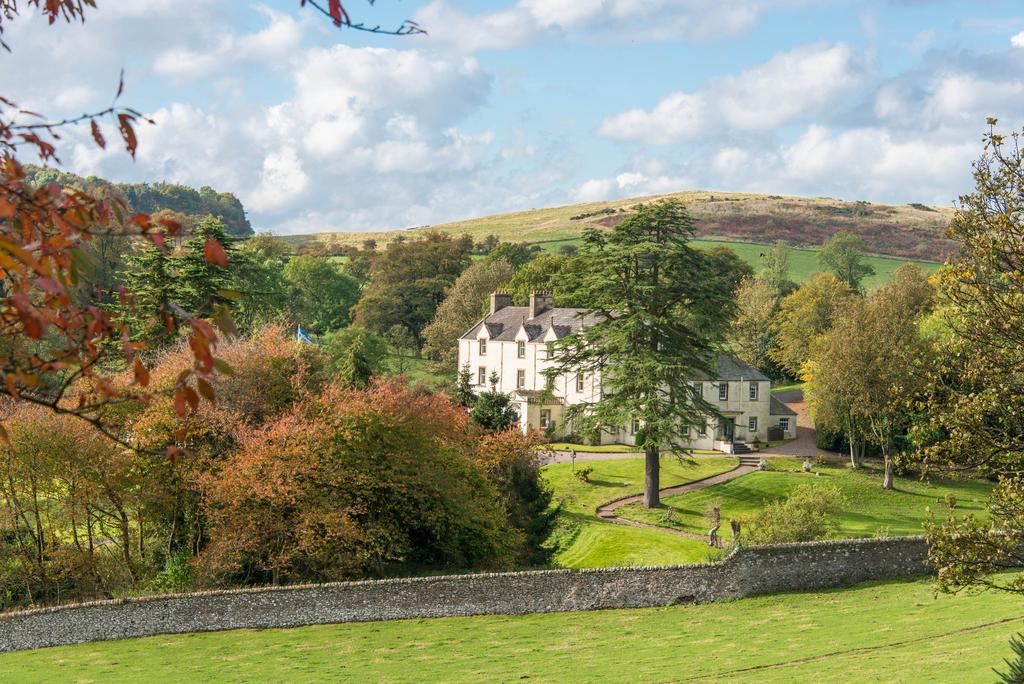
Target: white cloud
x,y
1018,40
271,45
616,20
794,84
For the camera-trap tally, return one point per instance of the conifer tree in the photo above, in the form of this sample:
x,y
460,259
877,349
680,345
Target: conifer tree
x,y
148,277
664,307
204,278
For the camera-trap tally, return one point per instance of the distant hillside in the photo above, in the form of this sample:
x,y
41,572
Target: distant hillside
x,y
147,198
907,231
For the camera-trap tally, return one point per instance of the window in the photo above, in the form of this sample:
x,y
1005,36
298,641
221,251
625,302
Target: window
x,y
520,378
636,426
551,350
579,382
521,349
698,387
752,423
723,391
753,391
784,424
481,376
686,431
704,428
545,418
483,347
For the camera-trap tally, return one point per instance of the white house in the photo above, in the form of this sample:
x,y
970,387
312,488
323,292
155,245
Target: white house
x,y
517,342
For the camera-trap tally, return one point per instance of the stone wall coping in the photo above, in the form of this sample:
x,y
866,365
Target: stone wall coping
x,y
466,577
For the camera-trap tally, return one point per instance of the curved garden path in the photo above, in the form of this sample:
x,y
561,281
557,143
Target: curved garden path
x,y
607,511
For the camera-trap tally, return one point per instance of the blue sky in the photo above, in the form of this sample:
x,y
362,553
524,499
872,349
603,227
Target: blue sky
x,y
512,104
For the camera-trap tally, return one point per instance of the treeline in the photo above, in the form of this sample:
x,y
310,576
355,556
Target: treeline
x,y
150,198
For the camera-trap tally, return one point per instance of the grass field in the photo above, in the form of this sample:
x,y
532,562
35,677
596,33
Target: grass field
x,y
892,632
868,509
584,541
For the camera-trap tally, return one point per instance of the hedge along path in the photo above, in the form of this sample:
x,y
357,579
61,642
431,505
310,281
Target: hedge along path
x,y
607,511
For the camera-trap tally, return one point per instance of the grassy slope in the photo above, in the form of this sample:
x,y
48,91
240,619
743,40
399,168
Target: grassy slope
x,y
874,632
903,231
868,506
804,262
584,541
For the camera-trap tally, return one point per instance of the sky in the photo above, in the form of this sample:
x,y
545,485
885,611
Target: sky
x,y
513,104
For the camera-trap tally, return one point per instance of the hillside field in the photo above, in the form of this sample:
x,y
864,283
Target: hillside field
x,y
907,232
877,632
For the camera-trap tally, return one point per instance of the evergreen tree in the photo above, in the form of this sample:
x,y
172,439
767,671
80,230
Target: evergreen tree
x,y
356,355
1015,673
663,307
201,285
464,394
149,278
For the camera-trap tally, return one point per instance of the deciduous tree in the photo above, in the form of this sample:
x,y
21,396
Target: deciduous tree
x,y
805,314
464,305
843,255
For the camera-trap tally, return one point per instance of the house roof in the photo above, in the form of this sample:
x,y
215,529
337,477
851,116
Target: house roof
x,y
780,409
728,367
504,324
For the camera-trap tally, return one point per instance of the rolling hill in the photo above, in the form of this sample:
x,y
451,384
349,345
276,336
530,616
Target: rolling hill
x,y
908,232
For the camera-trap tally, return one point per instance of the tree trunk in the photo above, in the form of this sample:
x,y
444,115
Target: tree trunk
x,y
652,498
854,454
887,480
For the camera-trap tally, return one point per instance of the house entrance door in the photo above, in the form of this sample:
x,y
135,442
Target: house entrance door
x,y
726,429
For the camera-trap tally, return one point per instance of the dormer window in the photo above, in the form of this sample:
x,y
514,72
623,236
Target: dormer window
x,y
483,347
551,350
521,349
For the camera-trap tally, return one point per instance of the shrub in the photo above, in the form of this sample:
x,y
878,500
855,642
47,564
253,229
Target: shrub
x,y
1015,663
583,474
353,482
802,517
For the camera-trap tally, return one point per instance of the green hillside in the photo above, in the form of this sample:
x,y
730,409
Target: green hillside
x,y
905,231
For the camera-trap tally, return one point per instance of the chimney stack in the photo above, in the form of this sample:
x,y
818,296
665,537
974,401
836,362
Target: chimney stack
x,y
499,300
540,301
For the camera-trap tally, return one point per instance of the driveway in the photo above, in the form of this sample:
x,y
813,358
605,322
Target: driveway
x,y
804,444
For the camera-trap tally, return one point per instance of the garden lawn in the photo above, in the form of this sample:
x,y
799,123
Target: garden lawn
x,y
867,511
893,632
582,540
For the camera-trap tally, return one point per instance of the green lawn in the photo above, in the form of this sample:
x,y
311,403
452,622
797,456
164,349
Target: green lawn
x,y
868,508
789,387
892,632
584,541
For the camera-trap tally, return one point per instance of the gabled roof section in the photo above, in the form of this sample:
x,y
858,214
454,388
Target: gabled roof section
x,y
504,324
730,368
778,408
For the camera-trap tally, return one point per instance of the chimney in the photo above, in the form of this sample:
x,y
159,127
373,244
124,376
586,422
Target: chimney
x,y
540,301
499,300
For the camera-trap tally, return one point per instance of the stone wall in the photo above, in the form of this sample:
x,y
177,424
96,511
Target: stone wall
x,y
755,570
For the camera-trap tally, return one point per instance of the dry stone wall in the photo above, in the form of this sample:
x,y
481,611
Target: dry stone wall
x,y
755,570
